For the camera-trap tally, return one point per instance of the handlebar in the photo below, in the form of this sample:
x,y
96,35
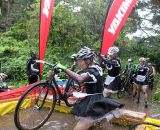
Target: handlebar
x,y
44,62
53,66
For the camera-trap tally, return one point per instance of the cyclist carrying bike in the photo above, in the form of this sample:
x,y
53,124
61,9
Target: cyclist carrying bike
x,y
90,108
130,70
151,75
141,80
113,65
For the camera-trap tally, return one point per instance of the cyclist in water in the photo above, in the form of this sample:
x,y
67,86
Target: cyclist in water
x,y
112,82
32,68
141,80
90,108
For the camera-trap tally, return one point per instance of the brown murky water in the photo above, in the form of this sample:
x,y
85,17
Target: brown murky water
x,y
62,121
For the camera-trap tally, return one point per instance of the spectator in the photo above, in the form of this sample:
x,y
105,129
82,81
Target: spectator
x,y
33,69
3,75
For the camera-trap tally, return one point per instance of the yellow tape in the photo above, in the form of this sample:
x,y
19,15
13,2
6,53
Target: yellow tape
x,y
8,107
154,121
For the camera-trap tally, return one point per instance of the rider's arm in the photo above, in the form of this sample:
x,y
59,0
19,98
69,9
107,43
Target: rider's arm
x,y
108,62
28,65
154,70
80,78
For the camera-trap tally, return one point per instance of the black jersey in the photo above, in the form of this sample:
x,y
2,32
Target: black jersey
x,y
32,67
142,70
114,68
95,85
94,106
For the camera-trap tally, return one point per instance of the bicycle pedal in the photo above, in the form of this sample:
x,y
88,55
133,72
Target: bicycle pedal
x,y
58,102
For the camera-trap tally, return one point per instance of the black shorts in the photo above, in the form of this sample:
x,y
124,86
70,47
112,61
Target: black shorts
x,y
141,83
115,85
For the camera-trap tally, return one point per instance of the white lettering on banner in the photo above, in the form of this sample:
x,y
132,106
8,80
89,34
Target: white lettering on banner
x,y
119,16
47,5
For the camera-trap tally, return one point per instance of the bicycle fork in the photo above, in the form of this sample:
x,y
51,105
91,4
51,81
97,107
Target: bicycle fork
x,y
38,99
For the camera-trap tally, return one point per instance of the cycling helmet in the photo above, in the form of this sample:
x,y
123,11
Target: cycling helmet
x,y
33,53
129,60
113,50
142,59
85,53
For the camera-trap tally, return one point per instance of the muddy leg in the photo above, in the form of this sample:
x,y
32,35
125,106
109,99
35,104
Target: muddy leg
x,y
83,125
134,92
138,93
145,91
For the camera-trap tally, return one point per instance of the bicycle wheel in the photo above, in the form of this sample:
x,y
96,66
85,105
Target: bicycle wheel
x,y
125,84
71,87
35,107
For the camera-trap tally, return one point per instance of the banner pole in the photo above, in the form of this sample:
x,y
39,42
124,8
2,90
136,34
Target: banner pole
x,y
109,6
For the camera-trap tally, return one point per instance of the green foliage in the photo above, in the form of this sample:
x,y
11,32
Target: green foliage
x,y
156,93
74,23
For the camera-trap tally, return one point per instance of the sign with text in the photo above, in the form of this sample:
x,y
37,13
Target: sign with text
x,y
45,18
117,16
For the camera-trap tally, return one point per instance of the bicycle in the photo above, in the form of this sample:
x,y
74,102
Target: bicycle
x,y
125,84
42,97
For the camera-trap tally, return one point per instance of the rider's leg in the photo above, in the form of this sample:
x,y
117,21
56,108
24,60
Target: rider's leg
x,y
138,92
134,92
151,83
145,91
106,92
83,125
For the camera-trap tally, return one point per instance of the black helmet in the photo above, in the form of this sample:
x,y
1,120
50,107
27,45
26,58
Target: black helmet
x,y
85,53
33,53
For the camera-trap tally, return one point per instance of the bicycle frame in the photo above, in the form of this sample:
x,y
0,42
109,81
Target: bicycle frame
x,y
52,82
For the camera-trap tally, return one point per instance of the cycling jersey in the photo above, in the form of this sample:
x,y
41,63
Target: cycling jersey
x,y
32,70
94,106
112,81
141,75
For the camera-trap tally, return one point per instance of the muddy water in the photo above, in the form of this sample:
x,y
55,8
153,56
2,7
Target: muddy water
x,y
62,121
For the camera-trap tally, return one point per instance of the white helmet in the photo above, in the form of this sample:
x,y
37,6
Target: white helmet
x,y
113,50
129,60
142,59
85,53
